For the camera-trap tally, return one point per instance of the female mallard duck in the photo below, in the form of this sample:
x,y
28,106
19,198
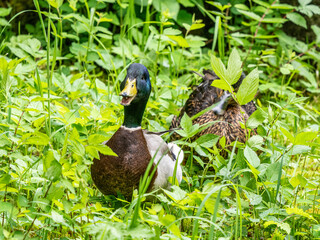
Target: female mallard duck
x,y
227,114
135,147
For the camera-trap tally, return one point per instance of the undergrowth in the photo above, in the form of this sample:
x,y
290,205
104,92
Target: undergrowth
x,y
59,81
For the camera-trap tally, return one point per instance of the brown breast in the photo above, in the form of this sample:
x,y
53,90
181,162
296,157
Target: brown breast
x,y
121,174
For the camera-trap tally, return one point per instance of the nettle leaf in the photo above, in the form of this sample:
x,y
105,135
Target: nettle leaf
x,y
248,87
234,69
296,18
221,71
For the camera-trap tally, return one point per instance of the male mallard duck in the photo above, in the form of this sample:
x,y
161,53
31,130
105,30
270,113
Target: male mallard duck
x,y
226,113
135,147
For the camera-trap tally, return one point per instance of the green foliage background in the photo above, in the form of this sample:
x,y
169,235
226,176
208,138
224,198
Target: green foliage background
x,y
59,80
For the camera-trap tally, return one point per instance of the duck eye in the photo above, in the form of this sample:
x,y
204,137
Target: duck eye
x,y
142,78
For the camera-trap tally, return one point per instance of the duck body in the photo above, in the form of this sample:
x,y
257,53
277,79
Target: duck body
x,y
227,115
135,147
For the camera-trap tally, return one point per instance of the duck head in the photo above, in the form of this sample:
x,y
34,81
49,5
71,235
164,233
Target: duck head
x,y
135,92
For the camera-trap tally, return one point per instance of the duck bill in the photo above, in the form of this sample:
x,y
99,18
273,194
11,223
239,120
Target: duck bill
x,y
129,92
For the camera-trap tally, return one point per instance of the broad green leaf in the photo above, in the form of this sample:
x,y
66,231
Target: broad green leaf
x,y
222,85
105,150
186,3
305,138
182,42
289,136
294,181
252,157
234,69
253,198
296,18
54,171
262,3
251,15
5,179
221,71
5,11
167,220
299,149
248,87
196,26
316,30
207,140
36,138
186,122
256,118
95,139
56,217
273,20
56,3
282,6
282,225
5,207
299,211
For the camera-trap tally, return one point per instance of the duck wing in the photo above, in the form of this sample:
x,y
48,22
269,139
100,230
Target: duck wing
x,y
167,157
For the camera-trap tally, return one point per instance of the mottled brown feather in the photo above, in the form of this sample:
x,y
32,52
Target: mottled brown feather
x,y
121,174
204,96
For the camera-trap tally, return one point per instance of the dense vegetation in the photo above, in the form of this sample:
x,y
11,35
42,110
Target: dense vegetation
x,y
59,77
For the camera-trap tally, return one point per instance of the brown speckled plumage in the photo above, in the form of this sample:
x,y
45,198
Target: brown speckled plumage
x,y
121,174
228,124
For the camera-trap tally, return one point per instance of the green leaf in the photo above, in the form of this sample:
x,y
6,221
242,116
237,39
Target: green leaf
x,y
256,118
299,211
252,157
196,26
56,217
289,136
299,149
186,122
305,138
316,30
54,171
182,42
5,12
56,3
207,140
296,18
105,150
95,139
5,207
248,87
219,68
234,69
36,138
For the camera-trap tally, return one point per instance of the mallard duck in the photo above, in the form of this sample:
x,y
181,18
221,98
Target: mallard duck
x,y
227,113
135,147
